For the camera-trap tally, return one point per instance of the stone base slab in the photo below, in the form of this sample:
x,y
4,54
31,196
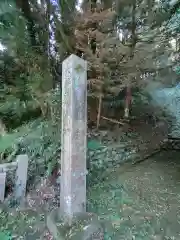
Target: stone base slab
x,y
85,226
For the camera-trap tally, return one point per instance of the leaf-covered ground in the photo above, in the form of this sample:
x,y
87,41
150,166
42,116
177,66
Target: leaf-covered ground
x,y
139,202
143,202
134,202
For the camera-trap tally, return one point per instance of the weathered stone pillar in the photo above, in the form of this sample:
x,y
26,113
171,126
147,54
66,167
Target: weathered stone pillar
x,y
73,138
71,221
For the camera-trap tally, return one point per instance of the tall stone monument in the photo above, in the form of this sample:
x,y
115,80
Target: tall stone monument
x,y
71,221
73,138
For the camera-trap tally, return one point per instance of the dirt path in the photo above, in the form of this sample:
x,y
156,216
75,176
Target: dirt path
x,y
143,202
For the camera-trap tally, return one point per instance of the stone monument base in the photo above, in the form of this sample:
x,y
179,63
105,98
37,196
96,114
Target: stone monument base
x,y
85,226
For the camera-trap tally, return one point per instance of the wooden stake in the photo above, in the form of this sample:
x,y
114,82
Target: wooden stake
x,y
154,152
127,102
112,120
2,185
99,111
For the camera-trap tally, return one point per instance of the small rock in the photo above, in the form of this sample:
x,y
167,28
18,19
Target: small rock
x,y
91,153
58,180
104,133
114,152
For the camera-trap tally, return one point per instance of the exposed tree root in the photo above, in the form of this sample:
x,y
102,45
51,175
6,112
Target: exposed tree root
x,y
147,156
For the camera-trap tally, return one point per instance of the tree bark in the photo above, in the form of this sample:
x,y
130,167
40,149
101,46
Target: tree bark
x,y
127,102
2,128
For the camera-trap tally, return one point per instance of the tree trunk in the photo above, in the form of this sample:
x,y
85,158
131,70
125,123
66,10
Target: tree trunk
x,y
2,128
127,102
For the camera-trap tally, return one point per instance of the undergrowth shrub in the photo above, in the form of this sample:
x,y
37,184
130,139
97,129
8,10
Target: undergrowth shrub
x,y
39,139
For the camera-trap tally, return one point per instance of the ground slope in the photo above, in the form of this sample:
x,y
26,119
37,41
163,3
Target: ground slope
x,y
142,202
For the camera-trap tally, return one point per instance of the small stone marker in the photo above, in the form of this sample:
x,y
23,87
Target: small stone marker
x,y
21,176
2,185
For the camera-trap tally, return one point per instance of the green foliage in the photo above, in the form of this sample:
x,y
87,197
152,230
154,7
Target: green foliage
x,y
173,25
177,70
13,29
5,236
14,112
40,140
20,224
94,145
7,7
140,97
28,69
8,143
